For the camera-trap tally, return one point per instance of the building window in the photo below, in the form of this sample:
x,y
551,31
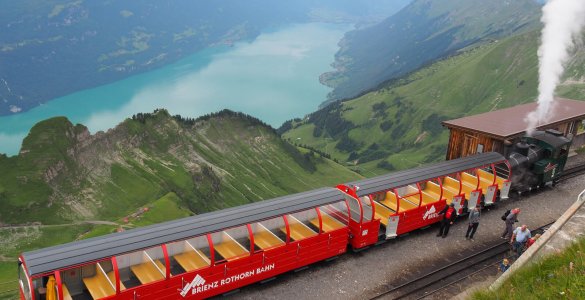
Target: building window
x,y
479,148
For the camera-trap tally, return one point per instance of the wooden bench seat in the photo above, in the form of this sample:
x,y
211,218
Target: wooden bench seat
x,y
430,197
265,239
298,230
412,199
485,178
329,223
230,248
432,191
66,293
148,271
192,260
383,212
99,286
112,277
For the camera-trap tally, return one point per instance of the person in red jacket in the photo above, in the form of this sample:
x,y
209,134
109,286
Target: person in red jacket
x,y
449,215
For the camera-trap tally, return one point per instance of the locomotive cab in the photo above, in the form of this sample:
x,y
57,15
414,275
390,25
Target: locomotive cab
x,y
539,159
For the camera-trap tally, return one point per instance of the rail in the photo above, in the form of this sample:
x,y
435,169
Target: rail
x,y
573,172
425,285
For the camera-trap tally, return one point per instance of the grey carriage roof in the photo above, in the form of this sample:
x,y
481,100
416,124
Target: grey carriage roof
x,y
402,178
46,260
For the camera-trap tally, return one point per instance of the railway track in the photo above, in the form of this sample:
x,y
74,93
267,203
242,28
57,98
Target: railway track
x,y
573,172
447,277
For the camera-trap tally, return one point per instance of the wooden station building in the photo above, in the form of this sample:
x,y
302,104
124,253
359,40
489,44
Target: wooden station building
x,y
490,131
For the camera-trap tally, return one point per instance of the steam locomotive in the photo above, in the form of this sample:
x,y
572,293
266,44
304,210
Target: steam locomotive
x,y
538,159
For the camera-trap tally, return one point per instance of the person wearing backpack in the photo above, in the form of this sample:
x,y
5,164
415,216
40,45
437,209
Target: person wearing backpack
x,y
510,220
449,215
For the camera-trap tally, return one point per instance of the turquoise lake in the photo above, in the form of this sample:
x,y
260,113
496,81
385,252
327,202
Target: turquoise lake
x,y
275,77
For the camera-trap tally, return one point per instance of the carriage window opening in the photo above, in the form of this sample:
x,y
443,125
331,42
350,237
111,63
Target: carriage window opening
x,y
337,210
141,267
547,153
231,244
564,150
354,208
188,255
367,207
24,282
71,283
267,234
409,197
334,216
300,225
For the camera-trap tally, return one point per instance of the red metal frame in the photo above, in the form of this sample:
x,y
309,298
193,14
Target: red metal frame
x,y
28,279
493,167
320,220
211,250
117,273
419,194
59,284
167,262
287,229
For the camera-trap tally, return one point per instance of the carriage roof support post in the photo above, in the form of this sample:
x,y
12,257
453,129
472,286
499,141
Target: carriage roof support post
x,y
395,191
287,228
167,263
59,285
251,234
419,194
116,273
320,220
509,170
211,249
441,188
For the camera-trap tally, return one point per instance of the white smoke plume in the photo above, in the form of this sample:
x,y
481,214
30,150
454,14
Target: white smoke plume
x,y
563,21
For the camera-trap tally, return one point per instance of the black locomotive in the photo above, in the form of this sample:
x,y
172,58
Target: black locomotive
x,y
538,160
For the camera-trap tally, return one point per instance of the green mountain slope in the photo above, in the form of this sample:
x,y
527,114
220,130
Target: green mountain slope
x,y
398,126
64,174
422,32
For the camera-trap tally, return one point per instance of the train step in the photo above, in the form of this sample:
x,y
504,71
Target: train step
x,y
267,280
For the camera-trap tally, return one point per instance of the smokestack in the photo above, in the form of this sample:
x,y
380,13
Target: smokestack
x,y
563,21
522,148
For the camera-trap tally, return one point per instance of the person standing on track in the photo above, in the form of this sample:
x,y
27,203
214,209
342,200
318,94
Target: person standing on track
x,y
473,219
510,220
449,215
519,239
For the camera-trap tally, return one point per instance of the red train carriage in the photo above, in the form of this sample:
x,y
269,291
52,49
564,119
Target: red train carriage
x,y
195,257
214,253
397,203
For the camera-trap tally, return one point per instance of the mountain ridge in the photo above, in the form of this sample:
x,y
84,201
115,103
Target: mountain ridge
x,y
212,162
423,31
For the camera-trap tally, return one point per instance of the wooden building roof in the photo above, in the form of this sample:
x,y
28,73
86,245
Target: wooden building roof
x,y
509,122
